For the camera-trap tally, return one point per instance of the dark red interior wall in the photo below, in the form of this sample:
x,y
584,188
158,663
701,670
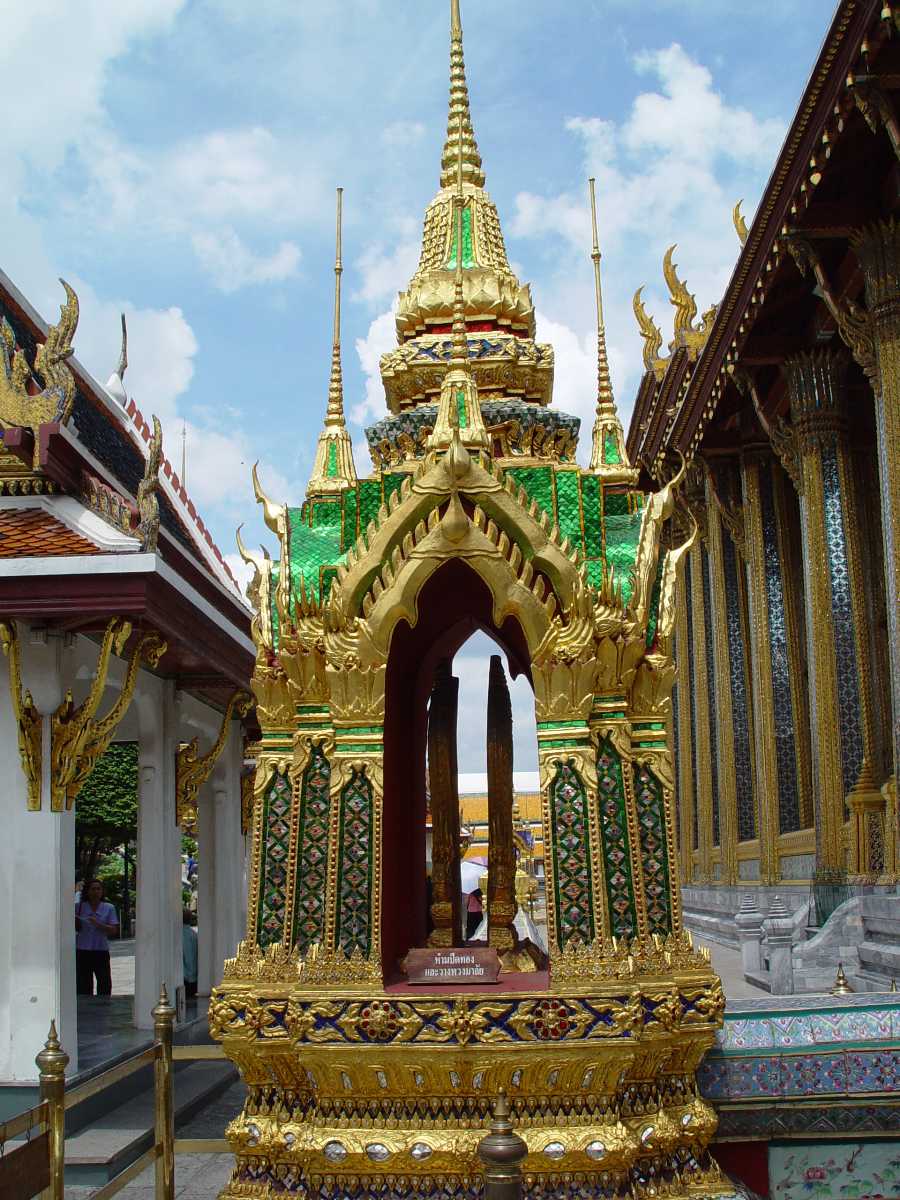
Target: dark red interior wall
x,y
451,606
746,1161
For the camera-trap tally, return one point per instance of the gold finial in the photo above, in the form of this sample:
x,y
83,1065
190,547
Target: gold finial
x,y
335,414
604,383
740,225
460,351
650,332
681,299
893,986
333,468
459,121
609,456
841,984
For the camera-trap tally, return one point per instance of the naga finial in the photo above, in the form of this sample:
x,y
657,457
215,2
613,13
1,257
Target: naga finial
x,y
650,332
274,515
18,405
683,302
740,225
147,503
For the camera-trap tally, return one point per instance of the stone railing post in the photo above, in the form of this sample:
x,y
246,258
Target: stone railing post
x,y
52,1062
779,930
750,934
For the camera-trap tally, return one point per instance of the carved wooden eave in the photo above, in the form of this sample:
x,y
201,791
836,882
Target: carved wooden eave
x,y
821,119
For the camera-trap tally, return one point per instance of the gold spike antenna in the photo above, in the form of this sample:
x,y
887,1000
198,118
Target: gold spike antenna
x,y
604,382
460,352
459,122
335,412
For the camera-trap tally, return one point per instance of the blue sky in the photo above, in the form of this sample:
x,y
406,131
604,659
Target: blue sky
x,y
178,158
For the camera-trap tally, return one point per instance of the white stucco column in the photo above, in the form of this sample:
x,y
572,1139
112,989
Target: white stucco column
x,y
37,883
158,911
208,970
226,782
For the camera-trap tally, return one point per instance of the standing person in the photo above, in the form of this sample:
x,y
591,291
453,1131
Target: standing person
x,y
474,913
189,953
95,921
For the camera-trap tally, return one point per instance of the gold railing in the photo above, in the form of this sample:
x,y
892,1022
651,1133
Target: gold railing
x,y
36,1166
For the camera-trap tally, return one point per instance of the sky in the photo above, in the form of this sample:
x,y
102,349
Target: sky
x,y
177,160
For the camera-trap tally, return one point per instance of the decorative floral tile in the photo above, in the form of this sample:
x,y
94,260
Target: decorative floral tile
x,y
804,1075
873,1071
851,1027
821,1171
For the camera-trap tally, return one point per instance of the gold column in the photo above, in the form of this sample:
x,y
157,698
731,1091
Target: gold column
x,y
685,752
790,556
704,797
760,660
443,782
724,733
501,852
843,732
878,250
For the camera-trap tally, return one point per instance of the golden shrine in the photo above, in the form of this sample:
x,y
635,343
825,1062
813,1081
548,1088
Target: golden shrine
x,y
476,516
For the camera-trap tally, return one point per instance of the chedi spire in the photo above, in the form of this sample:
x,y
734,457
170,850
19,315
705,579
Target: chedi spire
x,y
334,468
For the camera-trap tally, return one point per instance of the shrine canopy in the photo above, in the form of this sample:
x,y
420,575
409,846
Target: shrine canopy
x,y
94,520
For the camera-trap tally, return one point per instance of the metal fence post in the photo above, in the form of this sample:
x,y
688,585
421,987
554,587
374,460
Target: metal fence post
x,y
51,1063
163,1023
502,1153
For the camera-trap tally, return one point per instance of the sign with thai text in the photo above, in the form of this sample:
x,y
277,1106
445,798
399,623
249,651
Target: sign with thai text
x,y
456,964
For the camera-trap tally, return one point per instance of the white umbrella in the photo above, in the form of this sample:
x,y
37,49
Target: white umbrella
x,y
470,874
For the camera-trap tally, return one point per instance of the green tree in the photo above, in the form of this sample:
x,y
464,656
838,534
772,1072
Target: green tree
x,y
106,807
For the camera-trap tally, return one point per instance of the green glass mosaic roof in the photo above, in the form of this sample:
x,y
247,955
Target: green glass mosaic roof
x,y
468,260
603,525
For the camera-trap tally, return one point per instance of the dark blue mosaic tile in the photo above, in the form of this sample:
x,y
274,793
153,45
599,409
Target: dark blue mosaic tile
x,y
711,693
740,709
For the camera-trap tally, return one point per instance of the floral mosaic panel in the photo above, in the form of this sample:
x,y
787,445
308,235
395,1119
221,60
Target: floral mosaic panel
x,y
571,855
312,855
842,616
274,851
355,870
785,756
648,794
822,1171
614,839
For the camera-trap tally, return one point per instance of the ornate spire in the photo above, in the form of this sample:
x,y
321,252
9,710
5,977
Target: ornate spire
x,y
609,457
459,120
459,411
334,469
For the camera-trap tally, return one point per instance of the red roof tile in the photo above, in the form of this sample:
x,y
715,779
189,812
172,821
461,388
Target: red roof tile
x,y
33,533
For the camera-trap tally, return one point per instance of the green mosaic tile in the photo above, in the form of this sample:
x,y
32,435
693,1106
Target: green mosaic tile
x,y
312,852
393,483
648,793
538,483
569,508
590,503
468,258
326,513
274,851
313,549
369,502
653,616
621,533
355,865
350,499
614,837
570,819
611,453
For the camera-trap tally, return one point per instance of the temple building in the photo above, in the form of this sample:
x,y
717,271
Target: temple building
x,y
784,403
119,621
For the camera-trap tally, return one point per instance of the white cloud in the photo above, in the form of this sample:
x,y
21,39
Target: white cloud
x,y
401,134
382,336
383,270
242,571
231,265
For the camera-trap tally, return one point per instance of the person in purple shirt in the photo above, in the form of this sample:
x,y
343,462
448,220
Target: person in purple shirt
x,y
95,921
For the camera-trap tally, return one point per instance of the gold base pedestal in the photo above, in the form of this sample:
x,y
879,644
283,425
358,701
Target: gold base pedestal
x,y
365,1092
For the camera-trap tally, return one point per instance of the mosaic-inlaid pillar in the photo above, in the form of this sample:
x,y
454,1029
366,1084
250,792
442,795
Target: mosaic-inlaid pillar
x,y
357,792
704,757
795,810
723,725
839,707
768,678
878,250
683,721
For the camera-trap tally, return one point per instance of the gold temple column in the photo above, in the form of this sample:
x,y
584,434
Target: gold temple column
x,y
501,851
842,716
798,814
878,250
703,749
685,781
444,788
724,731
761,673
